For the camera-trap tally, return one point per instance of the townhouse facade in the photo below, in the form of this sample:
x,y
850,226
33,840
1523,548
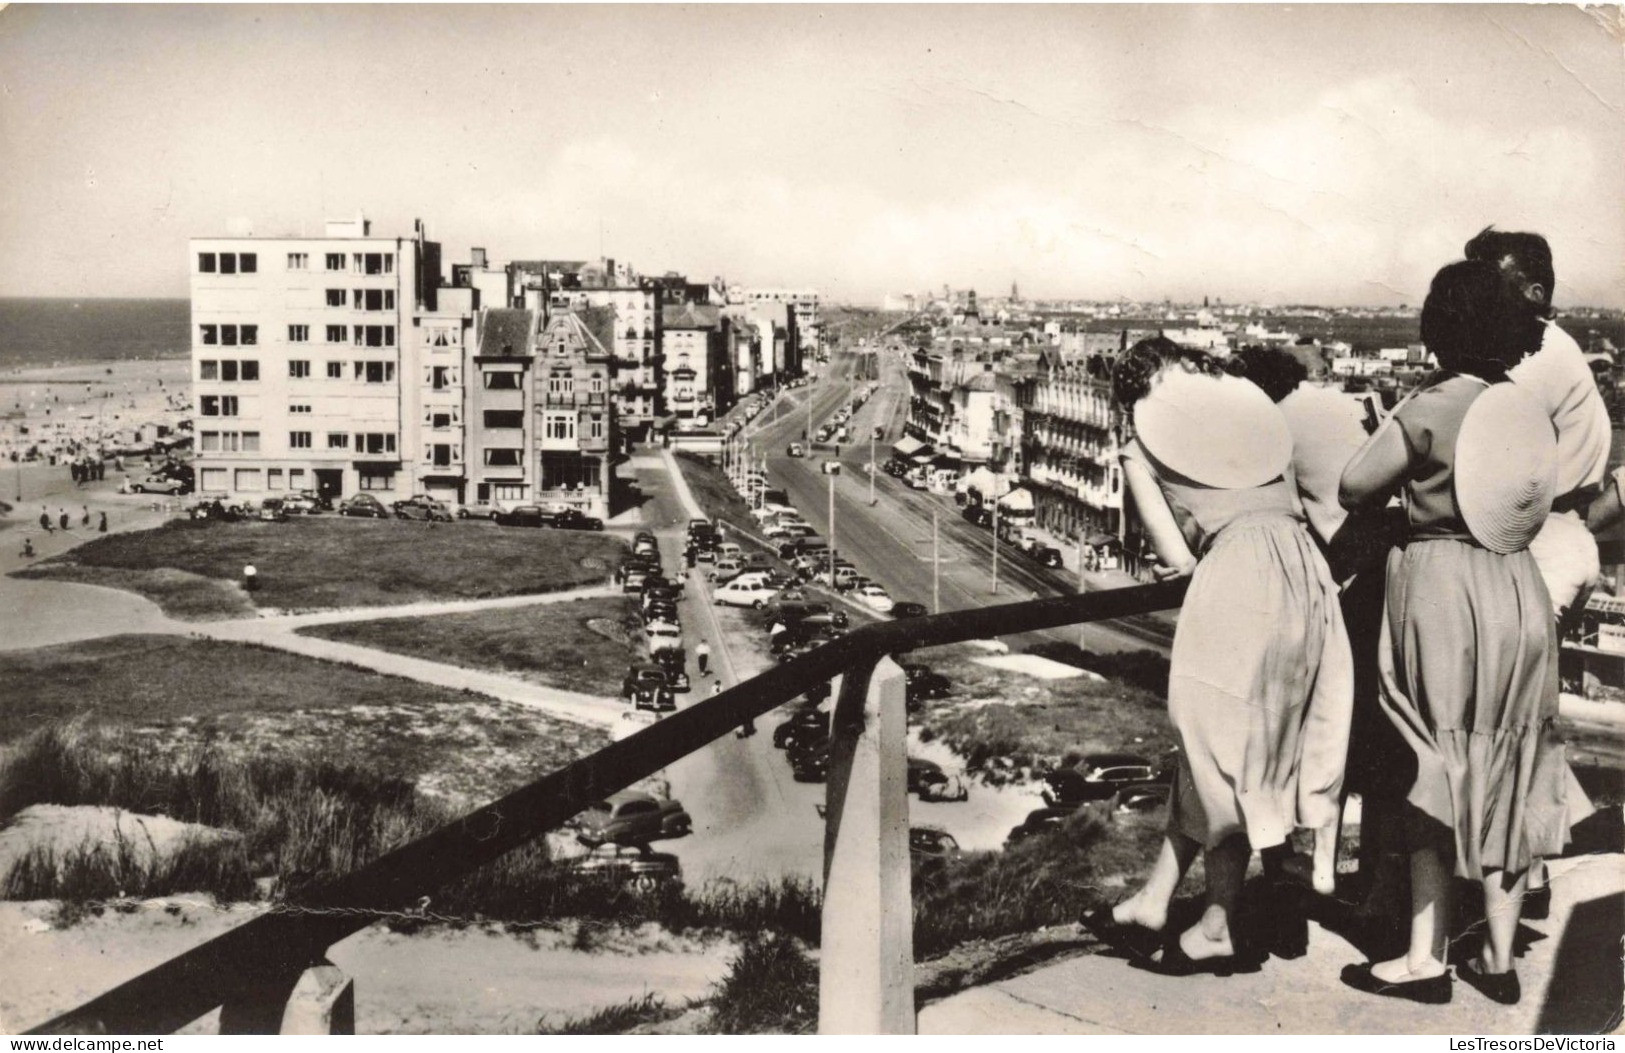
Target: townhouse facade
x,y
699,382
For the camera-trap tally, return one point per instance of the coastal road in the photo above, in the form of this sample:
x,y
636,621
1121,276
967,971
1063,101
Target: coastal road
x,y
891,540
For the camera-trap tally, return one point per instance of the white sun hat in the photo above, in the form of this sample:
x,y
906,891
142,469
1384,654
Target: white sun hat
x,y
1506,468
1221,431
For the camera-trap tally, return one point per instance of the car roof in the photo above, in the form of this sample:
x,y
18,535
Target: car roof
x,y
631,795
1112,760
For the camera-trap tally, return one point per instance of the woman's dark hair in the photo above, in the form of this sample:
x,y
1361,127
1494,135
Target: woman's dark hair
x,y
1475,323
1274,369
1521,257
1137,367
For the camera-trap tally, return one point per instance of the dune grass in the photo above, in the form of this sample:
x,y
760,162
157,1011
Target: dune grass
x,y
324,562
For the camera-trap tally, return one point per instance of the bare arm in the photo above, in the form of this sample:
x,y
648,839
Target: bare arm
x,y
1608,509
1157,517
1377,470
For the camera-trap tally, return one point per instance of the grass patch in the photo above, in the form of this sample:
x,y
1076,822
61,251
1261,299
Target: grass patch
x,y
325,562
771,988
581,645
177,694
617,1019
1008,726
1050,879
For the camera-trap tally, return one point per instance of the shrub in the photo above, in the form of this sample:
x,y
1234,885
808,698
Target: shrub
x,y
771,988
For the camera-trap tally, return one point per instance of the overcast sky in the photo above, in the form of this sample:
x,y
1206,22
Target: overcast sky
x,y
1325,154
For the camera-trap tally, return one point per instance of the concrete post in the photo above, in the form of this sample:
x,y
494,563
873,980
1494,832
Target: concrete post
x,y
318,1001
866,976
322,1003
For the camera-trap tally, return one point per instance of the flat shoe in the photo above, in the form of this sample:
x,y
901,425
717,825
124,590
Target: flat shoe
x,y
1497,987
1132,941
1435,990
1175,962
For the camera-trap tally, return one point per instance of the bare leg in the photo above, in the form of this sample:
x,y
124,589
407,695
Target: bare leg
x,y
1323,876
1149,906
1503,899
1226,868
1430,921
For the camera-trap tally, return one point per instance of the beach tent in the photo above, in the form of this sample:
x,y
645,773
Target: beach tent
x,y
908,446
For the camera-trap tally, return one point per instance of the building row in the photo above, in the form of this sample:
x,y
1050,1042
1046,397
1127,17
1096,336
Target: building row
x,y
353,362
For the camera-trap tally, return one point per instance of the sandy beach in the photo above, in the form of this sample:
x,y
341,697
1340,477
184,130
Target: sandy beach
x,y
88,405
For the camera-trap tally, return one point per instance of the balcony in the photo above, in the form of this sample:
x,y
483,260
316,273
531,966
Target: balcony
x,y
273,968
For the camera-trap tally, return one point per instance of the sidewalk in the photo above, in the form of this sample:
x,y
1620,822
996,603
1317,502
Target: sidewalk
x,y
1570,973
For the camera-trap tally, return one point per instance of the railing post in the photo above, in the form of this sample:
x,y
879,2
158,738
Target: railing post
x,y
318,1001
866,975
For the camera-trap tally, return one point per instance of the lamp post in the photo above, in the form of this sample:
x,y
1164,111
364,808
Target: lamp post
x,y
832,530
873,468
995,546
936,567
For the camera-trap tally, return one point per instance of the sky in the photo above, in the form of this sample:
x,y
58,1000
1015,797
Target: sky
x,y
1278,154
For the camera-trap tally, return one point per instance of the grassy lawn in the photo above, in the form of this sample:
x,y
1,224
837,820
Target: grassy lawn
x,y
1006,723
581,645
192,568
176,693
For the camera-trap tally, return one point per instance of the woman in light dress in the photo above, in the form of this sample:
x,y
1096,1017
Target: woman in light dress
x,y
1260,682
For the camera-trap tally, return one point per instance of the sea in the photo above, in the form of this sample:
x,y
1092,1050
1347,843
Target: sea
x,y
44,332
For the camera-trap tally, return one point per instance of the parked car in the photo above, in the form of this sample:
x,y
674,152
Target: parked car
x,y
363,505
699,526
1146,798
726,570
908,609
632,865
302,504
631,817
654,698
1038,821
422,507
922,772
804,723
795,449
950,789
640,674
675,662
875,598
158,484
926,682
663,636
575,519
810,764
1097,777
1046,556
744,594
271,511
930,843
977,515
635,578
526,516
660,611
478,510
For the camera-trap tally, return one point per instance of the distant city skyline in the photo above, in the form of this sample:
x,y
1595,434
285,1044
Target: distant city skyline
x,y
1313,154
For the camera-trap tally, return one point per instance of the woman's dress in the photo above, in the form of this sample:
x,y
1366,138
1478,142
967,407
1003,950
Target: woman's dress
x,y
1468,665
1260,686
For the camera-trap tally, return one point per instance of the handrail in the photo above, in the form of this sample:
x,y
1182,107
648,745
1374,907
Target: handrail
x,y
268,952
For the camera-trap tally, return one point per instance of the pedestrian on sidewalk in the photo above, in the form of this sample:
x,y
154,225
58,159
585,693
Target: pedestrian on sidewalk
x,y
28,548
45,520
101,528
702,654
84,515
62,517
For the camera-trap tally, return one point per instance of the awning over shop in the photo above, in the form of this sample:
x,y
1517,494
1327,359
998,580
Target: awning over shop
x,y
923,458
1097,539
908,446
1017,501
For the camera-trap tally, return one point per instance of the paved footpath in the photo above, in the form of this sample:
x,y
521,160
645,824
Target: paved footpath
x,y
1570,974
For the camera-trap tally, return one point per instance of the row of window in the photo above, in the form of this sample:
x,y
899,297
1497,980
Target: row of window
x,y
248,262
228,441
254,479
230,335
365,441
228,262
229,369
362,299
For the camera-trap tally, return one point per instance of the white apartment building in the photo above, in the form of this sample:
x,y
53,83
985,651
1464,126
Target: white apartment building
x,y
305,361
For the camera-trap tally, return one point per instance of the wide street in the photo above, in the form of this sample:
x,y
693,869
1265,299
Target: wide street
x,y
891,540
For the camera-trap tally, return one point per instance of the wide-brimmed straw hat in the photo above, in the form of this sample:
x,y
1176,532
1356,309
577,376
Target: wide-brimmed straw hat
x,y
1219,431
1506,468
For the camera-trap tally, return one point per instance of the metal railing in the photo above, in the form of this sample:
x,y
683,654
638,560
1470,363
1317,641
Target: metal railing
x,y
264,973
